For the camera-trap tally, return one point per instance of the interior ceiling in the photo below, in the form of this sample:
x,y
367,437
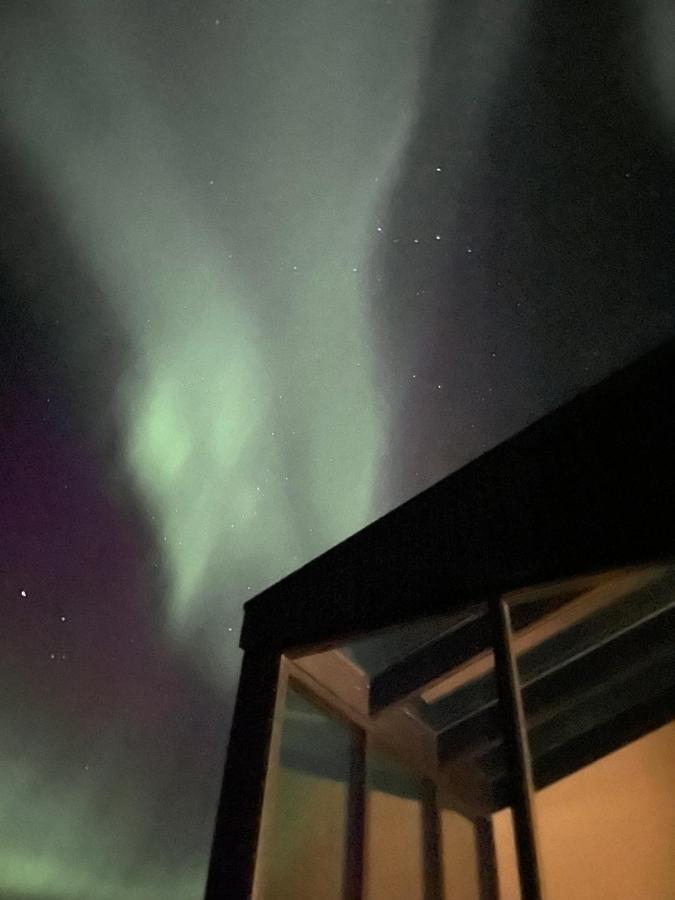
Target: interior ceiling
x,y
597,657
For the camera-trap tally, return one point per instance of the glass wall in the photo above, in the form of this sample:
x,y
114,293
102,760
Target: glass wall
x,y
597,682
302,854
429,796
394,865
461,864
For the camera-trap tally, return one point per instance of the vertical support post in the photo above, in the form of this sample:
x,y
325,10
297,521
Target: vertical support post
x,y
431,844
517,750
488,877
356,817
235,841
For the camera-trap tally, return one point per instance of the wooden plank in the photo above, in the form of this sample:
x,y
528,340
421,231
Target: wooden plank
x,y
518,753
432,858
407,738
397,730
356,818
447,653
607,737
488,875
601,591
637,674
433,660
270,797
339,674
561,659
237,828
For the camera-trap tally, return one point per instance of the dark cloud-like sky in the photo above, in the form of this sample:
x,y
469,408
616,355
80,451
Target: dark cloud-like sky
x,y
267,270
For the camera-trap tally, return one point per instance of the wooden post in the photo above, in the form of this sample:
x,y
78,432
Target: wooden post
x,y
517,750
235,841
488,877
431,844
356,817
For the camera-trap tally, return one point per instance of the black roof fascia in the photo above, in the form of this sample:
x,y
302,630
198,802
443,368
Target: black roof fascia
x,y
588,487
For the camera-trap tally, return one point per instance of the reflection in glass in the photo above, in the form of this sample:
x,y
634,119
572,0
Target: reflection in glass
x,y
596,666
460,859
598,686
394,851
304,848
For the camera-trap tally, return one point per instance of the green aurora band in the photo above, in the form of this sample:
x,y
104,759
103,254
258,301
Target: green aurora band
x,y
253,423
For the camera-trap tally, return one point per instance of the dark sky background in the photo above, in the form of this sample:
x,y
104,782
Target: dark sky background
x,y
266,271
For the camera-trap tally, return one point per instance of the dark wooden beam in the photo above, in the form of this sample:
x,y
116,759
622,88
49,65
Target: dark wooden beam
x,y
565,659
356,818
628,726
605,738
432,851
237,828
517,752
488,876
408,739
589,487
449,650
430,661
634,683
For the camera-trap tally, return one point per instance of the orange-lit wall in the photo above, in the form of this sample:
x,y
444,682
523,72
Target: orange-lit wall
x,y
460,867
304,852
393,864
608,831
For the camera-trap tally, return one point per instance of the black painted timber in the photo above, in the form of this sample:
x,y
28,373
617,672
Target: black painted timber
x,y
588,487
235,841
469,714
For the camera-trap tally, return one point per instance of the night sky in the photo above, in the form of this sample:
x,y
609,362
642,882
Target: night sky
x,y
268,269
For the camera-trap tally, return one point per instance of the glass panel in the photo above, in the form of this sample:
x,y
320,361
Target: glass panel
x,y
393,859
609,829
425,694
460,858
302,853
507,861
598,687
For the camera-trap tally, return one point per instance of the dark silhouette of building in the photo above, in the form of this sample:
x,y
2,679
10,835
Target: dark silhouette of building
x,y
500,632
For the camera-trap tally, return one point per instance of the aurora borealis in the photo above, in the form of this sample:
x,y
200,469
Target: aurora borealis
x,y
268,269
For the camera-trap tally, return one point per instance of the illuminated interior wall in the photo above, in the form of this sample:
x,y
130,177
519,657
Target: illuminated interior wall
x,y
608,830
393,864
460,866
304,853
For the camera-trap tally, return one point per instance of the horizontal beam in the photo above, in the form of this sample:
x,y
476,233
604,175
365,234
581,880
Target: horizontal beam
x,y
591,746
453,648
433,660
470,713
562,721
